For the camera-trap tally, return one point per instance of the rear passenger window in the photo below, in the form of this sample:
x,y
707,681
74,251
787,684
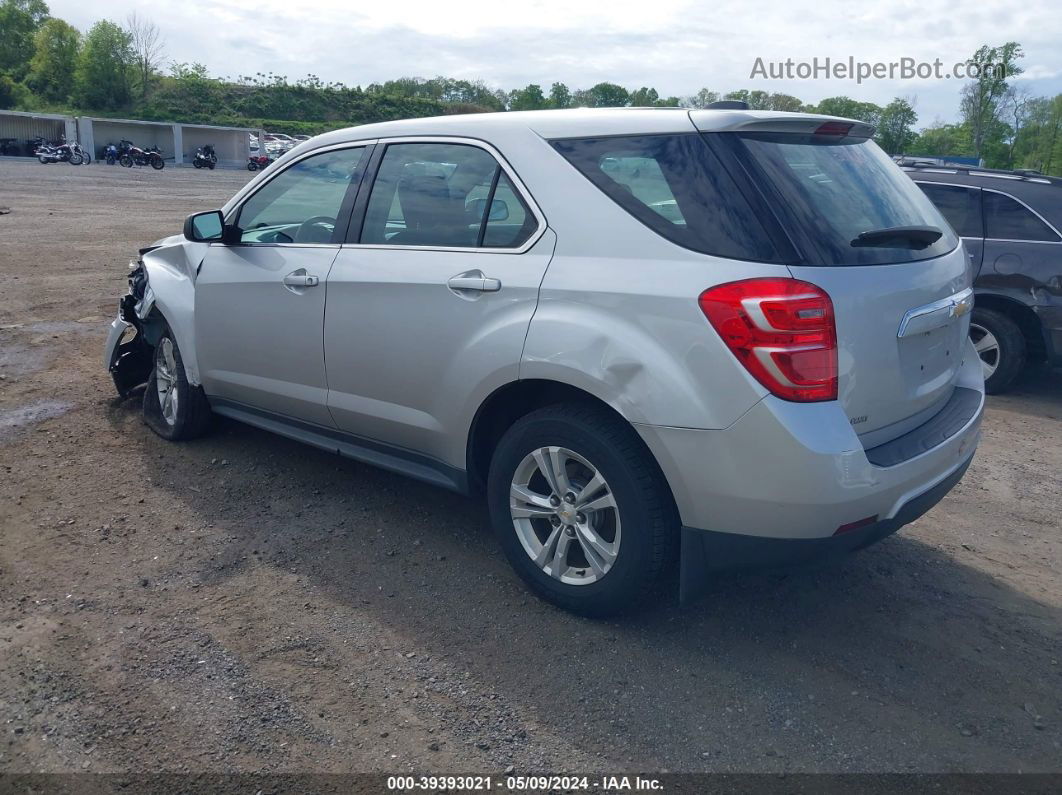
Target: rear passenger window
x,y
960,206
676,186
436,195
1009,219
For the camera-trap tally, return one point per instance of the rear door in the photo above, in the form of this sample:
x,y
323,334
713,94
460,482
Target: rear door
x,y
430,301
894,269
1021,248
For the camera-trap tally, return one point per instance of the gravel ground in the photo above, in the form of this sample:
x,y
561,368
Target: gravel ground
x,y
243,603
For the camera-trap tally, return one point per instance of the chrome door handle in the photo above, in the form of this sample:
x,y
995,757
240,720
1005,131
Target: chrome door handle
x,y
301,280
483,284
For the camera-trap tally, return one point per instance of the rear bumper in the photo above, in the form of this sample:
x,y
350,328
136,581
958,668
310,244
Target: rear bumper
x,y
778,485
704,551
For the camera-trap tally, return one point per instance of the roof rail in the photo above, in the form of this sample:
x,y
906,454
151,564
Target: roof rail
x,y
1024,174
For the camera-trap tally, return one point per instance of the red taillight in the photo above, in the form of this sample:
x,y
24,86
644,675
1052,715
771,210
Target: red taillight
x,y
782,330
833,128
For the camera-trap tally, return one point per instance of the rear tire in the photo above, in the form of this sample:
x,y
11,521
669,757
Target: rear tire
x,y
1000,346
173,408
621,537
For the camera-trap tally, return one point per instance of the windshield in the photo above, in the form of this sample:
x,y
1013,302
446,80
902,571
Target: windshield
x,y
831,190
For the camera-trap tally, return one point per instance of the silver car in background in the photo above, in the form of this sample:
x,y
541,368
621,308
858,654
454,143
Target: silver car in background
x,y
651,337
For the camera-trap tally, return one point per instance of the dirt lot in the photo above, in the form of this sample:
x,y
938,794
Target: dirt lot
x,y
242,603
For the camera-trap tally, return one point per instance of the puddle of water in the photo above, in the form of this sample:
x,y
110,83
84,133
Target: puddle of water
x,y
12,421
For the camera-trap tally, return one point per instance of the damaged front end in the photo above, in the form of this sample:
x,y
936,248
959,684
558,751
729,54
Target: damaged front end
x,y
128,354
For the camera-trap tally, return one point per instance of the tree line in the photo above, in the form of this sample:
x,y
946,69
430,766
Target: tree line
x,y
47,64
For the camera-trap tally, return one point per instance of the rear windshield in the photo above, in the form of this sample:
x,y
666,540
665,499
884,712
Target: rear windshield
x,y
830,190
675,185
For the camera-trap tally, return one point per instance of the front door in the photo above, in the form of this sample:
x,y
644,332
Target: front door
x,y
259,303
429,307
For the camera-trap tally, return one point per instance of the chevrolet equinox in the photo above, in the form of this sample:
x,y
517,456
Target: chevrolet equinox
x,y
656,339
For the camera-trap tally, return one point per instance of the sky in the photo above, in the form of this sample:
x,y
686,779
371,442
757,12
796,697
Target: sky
x,y
676,46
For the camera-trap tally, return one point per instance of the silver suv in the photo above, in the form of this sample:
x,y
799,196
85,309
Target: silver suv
x,y
652,337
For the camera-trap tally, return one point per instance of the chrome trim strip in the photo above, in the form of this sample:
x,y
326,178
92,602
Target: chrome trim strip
x,y
1047,223
932,316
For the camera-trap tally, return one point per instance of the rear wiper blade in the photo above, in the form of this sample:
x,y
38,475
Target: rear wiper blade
x,y
912,237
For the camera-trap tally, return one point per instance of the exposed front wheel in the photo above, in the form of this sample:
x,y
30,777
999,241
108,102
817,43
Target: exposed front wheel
x,y
158,163
173,408
76,159
125,161
581,509
1001,347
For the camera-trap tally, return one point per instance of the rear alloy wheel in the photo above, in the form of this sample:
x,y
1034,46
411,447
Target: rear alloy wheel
x,y
565,515
1001,347
581,509
173,408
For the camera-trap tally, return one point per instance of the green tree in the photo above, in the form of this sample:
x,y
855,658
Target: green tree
x,y
702,99
51,73
850,109
607,95
983,98
785,102
19,22
1040,145
104,65
11,92
146,43
529,98
644,98
560,96
895,131
943,139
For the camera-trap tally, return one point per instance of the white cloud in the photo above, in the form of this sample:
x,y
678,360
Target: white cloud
x,y
676,46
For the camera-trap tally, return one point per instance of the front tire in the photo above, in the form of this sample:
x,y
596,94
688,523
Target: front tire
x,y
1000,345
125,161
76,159
173,408
581,509
158,163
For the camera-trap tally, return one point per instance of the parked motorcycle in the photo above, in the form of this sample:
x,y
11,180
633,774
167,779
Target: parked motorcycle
x,y
9,147
130,155
205,157
110,154
258,161
61,153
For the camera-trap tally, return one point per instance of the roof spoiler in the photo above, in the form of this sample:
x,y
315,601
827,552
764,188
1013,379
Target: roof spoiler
x,y
727,104
767,121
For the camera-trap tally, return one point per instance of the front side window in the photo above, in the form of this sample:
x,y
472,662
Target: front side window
x,y
302,203
675,185
960,206
437,195
1008,219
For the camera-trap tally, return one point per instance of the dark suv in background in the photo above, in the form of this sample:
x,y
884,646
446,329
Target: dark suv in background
x,y
1009,221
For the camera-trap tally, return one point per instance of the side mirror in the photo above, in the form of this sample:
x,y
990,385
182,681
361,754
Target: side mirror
x,y
205,227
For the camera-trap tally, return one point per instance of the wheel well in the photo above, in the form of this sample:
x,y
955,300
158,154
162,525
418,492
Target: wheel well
x,y
511,402
1026,319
